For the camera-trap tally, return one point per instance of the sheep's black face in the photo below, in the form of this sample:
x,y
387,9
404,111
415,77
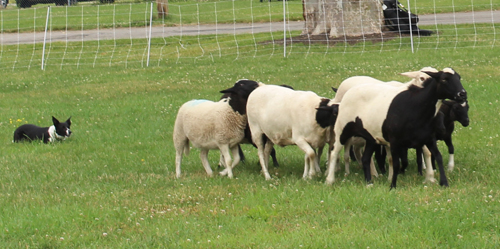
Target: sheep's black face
x,y
242,88
326,115
238,94
449,85
461,110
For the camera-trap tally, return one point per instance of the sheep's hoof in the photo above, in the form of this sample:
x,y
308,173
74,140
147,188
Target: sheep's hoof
x,y
329,182
430,180
444,184
450,167
223,173
369,185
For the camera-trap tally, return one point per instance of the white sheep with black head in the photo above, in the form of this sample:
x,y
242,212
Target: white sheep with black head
x,y
212,125
282,116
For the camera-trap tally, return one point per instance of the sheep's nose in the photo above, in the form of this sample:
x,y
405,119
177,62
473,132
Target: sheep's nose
x,y
462,95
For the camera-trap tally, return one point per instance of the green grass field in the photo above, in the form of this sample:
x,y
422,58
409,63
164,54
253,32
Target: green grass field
x,y
112,184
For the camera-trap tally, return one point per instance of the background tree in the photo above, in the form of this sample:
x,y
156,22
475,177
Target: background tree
x,y
343,17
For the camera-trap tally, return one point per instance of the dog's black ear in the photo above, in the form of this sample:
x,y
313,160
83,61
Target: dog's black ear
x,y
55,121
68,121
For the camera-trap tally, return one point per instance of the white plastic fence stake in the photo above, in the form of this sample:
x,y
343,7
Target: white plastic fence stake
x,y
45,37
284,28
411,32
150,28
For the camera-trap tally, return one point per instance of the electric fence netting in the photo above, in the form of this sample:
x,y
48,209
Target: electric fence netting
x,y
90,34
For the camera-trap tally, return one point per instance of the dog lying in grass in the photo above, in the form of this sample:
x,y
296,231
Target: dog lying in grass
x,y
30,132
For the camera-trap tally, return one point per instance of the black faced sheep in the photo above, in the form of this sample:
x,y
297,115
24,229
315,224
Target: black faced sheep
x,y
212,125
397,116
282,116
449,112
417,77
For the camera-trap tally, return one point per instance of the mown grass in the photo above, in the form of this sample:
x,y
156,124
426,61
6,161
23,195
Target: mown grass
x,y
112,183
90,15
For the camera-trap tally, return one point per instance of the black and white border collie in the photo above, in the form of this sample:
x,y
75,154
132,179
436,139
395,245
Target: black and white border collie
x,y
29,132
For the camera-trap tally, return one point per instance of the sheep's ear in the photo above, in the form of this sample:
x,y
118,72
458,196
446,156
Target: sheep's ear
x,y
412,75
334,89
435,75
229,90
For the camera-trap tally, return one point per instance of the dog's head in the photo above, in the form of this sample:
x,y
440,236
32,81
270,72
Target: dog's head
x,y
62,130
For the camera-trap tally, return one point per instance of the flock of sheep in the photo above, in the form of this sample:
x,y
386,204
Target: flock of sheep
x,y
368,115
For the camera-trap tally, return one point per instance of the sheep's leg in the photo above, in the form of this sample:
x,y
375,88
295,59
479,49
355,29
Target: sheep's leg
x,y
367,162
429,172
347,159
310,158
333,161
261,147
221,161
318,155
240,153
306,167
178,160
273,156
423,160
373,170
224,150
419,160
404,160
451,152
380,155
236,156
204,161
358,153
181,144
389,157
236,159
439,159
395,152
267,151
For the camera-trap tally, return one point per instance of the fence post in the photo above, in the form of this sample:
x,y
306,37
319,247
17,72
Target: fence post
x,y
150,27
409,19
284,29
45,37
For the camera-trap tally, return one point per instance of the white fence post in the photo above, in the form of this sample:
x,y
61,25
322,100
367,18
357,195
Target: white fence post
x,y
411,32
150,28
45,37
284,28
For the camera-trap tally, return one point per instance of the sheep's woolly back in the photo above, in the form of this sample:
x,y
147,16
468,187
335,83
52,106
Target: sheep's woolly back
x,y
207,124
282,114
417,79
352,82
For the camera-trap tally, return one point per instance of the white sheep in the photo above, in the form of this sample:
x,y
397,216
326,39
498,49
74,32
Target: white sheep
x,y
282,116
212,125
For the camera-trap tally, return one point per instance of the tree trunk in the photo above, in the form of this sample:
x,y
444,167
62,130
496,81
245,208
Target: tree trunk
x,y
343,17
162,8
